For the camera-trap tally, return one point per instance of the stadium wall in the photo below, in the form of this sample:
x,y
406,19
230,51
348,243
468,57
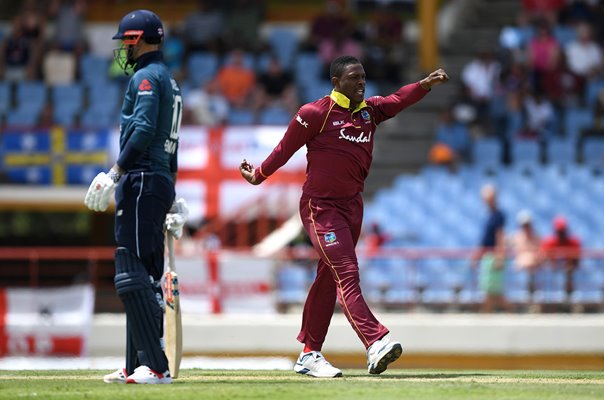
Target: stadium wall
x,y
501,341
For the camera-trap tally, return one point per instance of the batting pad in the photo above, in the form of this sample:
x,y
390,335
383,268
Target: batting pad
x,y
143,313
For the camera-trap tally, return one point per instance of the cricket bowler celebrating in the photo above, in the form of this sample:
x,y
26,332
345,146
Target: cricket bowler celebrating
x,y
143,180
338,131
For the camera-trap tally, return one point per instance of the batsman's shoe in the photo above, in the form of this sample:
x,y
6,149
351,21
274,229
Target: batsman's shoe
x,y
382,353
119,376
314,364
145,375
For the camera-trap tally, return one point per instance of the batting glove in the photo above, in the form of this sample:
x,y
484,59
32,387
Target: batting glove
x,y
176,218
101,190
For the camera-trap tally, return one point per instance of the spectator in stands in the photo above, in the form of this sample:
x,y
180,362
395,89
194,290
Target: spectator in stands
x,y
276,87
584,55
491,254
525,245
69,19
174,51
236,81
454,135
480,76
540,117
327,25
33,21
514,38
20,52
384,45
543,9
597,130
18,55
242,24
375,239
562,250
206,106
543,53
203,29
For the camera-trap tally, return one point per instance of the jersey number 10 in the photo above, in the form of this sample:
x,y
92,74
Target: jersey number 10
x,y
170,145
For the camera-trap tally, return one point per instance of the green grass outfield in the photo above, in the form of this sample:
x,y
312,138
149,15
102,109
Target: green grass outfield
x,y
356,384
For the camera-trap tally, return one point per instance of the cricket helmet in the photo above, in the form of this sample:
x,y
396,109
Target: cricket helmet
x,y
139,24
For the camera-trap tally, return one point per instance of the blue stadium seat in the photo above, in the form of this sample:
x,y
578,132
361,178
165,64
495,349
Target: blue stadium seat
x,y
440,282
592,90
284,42
588,286
371,89
23,117
108,96
316,90
549,286
561,152
525,153
202,67
575,120
274,115
593,152
308,68
241,117
99,118
68,101
94,69
564,34
516,285
31,94
487,153
292,284
402,288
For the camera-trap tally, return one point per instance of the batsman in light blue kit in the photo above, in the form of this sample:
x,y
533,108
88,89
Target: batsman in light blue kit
x,y
143,180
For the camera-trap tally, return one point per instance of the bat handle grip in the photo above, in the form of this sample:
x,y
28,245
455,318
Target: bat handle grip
x,y
171,263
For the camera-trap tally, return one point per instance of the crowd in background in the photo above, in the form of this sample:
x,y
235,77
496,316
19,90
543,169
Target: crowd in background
x,y
47,41
545,66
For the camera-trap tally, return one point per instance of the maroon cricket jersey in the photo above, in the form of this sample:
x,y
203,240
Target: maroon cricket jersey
x,y
339,140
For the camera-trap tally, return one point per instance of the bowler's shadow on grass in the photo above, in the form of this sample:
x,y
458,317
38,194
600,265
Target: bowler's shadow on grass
x,y
426,376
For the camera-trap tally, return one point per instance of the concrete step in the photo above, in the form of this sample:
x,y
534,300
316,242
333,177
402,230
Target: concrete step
x,y
402,152
495,13
409,124
468,41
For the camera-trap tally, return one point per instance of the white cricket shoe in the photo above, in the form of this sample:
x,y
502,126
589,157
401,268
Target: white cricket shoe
x,y
314,364
119,376
145,375
382,353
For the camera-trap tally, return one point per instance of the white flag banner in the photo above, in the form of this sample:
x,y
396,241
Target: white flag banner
x,y
46,321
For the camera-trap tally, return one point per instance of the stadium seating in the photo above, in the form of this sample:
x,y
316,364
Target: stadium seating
x,y
274,115
576,119
284,42
526,153
241,117
561,152
593,152
67,100
487,153
201,67
292,285
94,70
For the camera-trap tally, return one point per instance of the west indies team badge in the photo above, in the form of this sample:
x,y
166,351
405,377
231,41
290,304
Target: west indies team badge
x,y
330,238
365,115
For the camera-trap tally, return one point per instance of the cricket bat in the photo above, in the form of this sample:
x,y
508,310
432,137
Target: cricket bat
x,y
172,317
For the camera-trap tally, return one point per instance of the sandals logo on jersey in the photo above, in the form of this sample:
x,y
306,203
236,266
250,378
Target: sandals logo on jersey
x,y
144,88
330,239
